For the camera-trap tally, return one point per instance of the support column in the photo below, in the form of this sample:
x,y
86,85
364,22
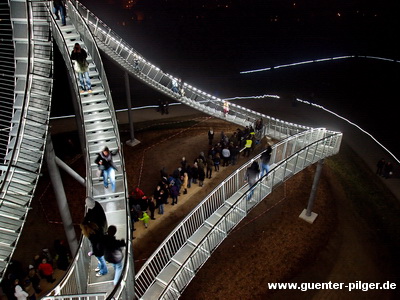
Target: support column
x,y
132,142
70,171
59,192
307,213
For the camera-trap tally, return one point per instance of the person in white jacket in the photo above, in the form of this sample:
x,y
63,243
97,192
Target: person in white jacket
x,y
20,294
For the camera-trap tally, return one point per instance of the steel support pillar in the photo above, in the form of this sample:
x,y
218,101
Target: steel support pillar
x,y
59,192
70,171
307,213
132,142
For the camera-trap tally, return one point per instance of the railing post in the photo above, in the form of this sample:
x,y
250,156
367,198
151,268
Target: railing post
x,y
132,142
307,213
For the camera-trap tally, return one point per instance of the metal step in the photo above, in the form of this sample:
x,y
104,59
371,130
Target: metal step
x,y
16,212
10,224
93,98
99,125
94,149
97,117
8,238
100,136
20,189
5,252
21,200
96,107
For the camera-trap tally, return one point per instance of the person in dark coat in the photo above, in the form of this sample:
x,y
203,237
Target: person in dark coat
x,y
94,226
210,136
106,164
143,203
113,252
251,177
379,166
81,66
62,254
265,158
34,279
152,207
96,239
95,214
59,9
174,193
195,172
202,175
209,166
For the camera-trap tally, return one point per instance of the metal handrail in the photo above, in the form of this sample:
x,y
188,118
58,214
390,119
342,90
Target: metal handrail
x,y
75,268
281,151
79,269
24,111
161,80
26,93
242,204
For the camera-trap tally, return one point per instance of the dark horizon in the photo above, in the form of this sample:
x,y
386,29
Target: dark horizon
x,y
209,46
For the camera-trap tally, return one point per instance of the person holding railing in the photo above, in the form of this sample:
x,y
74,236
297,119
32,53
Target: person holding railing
x,y
81,67
96,237
265,158
175,87
136,64
251,177
105,162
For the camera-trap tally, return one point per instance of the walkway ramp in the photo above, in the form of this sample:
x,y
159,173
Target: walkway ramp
x,y
175,263
137,66
98,127
25,114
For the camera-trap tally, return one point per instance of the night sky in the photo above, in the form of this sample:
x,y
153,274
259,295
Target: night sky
x,y
207,43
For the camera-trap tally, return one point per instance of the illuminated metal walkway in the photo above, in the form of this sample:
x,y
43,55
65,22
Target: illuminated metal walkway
x,y
26,88
99,128
176,261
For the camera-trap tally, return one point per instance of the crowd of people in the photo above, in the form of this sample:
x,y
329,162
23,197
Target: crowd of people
x,y
223,150
22,283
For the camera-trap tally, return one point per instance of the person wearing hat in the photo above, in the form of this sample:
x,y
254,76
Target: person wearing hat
x,y
34,279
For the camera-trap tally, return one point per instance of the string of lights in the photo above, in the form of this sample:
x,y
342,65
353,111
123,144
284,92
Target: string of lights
x,y
251,97
351,123
317,61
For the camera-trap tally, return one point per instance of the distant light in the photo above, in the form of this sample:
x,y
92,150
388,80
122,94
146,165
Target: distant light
x,y
316,60
351,123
